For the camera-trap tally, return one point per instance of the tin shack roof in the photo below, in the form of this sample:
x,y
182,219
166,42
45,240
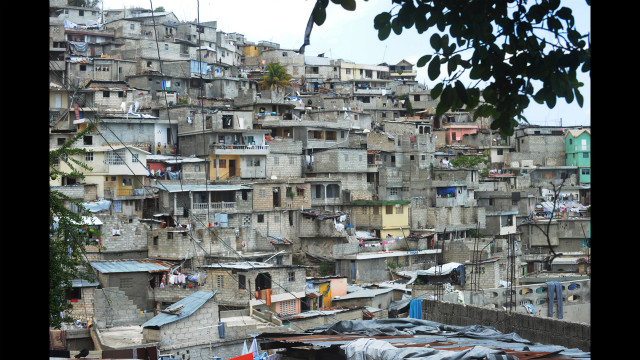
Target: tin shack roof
x,y
127,266
184,308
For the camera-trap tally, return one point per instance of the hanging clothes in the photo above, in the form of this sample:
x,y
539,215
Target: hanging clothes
x,y
554,288
415,309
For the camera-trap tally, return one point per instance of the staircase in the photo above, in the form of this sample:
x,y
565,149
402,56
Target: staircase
x,y
113,308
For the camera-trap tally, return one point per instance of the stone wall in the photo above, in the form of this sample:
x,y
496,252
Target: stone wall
x,y
201,326
132,233
547,331
113,308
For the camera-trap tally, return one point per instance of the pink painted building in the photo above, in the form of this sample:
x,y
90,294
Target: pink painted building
x,y
455,133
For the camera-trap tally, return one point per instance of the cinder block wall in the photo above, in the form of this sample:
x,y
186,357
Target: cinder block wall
x,y
542,330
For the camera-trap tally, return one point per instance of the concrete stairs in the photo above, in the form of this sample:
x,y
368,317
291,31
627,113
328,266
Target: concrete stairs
x,y
113,308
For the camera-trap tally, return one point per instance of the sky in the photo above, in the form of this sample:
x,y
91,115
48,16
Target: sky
x,y
350,35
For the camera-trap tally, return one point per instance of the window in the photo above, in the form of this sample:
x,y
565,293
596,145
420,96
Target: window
x,y
260,218
88,156
222,163
292,276
585,155
376,210
155,240
88,140
132,26
276,160
219,281
115,157
83,67
105,94
242,282
81,12
389,209
61,141
364,210
585,171
399,208
393,191
288,307
134,158
500,151
292,160
300,192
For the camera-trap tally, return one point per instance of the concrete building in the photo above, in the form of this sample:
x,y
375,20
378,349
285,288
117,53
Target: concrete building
x,y
258,285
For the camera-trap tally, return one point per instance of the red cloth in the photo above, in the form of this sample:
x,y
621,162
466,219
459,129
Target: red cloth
x,y
248,356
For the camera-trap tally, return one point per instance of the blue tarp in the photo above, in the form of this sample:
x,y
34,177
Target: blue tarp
x,y
415,309
445,191
199,67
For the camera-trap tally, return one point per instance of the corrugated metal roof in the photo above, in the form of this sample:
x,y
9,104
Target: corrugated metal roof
x,y
366,293
189,305
243,265
125,266
83,283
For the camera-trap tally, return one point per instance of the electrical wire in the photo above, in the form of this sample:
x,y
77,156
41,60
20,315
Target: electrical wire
x,y
175,220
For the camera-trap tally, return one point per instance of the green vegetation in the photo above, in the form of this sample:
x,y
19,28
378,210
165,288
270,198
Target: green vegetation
x,y
468,162
516,51
275,77
67,233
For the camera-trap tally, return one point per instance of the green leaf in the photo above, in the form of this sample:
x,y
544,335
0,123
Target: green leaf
x,y
423,60
384,32
349,4
319,15
381,20
436,91
435,42
579,98
396,26
434,68
461,91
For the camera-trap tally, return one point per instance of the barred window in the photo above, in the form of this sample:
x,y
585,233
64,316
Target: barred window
x,y
115,157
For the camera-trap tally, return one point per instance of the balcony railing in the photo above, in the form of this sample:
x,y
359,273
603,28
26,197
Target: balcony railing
x,y
125,192
214,206
223,149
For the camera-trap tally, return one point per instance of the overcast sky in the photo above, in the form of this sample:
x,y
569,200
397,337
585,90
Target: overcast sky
x,y
347,35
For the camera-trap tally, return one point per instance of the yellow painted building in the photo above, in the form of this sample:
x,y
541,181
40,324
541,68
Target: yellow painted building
x,y
117,171
382,217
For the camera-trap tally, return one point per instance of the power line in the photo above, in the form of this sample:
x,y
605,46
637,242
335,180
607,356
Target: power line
x,y
215,236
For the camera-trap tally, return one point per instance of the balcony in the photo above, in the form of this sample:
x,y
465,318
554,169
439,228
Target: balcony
x,y
373,167
214,206
222,149
124,193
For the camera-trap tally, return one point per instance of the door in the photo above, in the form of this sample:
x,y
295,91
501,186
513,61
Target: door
x,y
232,168
353,270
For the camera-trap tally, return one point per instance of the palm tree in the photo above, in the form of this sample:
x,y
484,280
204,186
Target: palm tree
x,y
276,77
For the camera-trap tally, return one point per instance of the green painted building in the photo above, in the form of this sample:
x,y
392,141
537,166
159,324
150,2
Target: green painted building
x,y
577,144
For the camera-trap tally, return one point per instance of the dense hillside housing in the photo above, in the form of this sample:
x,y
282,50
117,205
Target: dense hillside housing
x,y
220,206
